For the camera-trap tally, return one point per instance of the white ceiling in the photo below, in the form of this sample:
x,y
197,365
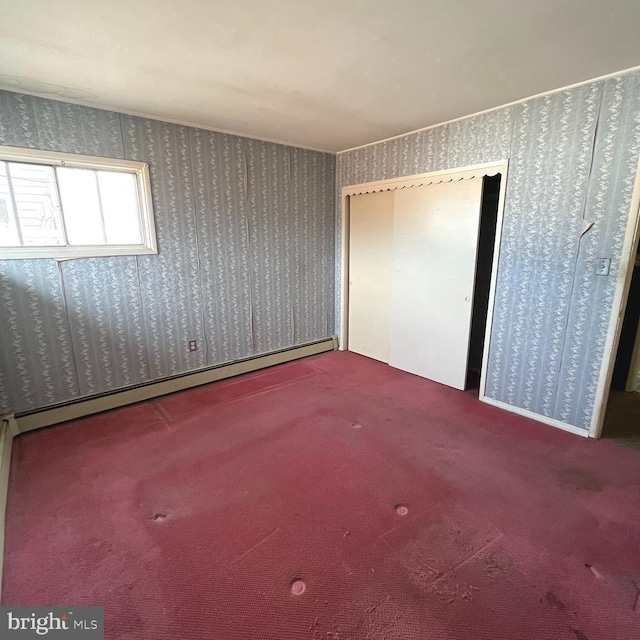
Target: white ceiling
x,y
325,74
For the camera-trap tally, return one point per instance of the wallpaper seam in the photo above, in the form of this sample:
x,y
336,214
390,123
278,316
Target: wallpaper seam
x,y
63,291
127,319
247,223
35,123
145,342
511,141
121,129
142,313
292,314
576,257
196,216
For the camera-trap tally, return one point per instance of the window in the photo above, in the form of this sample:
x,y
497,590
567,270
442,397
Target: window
x,y
58,205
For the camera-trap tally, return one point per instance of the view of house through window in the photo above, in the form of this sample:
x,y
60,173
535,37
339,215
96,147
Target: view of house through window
x,y
29,209
45,206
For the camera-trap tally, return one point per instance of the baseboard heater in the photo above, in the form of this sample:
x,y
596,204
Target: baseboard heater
x,y
87,405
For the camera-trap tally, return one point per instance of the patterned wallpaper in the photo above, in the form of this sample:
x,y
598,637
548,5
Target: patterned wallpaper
x,y
573,157
246,237
247,244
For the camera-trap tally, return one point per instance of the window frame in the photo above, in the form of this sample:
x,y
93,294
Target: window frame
x,y
58,159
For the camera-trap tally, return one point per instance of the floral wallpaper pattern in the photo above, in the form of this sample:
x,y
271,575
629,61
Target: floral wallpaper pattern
x,y
245,265
249,248
573,157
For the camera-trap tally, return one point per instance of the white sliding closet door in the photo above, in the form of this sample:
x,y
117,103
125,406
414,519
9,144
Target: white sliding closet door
x,y
370,255
435,242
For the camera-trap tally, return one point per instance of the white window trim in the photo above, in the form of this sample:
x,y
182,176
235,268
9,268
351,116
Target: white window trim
x,y
54,158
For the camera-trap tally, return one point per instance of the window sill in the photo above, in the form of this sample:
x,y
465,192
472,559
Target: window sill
x,y
70,253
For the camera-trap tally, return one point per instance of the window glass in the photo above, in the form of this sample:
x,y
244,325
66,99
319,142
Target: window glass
x,y
33,210
119,195
62,205
8,229
81,206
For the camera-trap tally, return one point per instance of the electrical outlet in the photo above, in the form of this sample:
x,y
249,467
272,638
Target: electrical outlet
x,y
193,345
602,266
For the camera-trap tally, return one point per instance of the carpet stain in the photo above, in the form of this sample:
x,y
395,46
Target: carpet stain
x,y
259,491
581,479
636,601
554,602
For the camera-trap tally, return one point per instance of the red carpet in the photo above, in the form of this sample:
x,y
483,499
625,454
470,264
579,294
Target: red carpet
x,y
393,507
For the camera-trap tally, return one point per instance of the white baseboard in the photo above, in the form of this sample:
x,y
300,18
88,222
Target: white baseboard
x,y
536,416
88,406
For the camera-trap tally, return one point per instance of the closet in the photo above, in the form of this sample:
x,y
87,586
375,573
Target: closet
x,y
413,256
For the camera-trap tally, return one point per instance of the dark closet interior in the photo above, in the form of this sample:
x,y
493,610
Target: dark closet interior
x,y
486,243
